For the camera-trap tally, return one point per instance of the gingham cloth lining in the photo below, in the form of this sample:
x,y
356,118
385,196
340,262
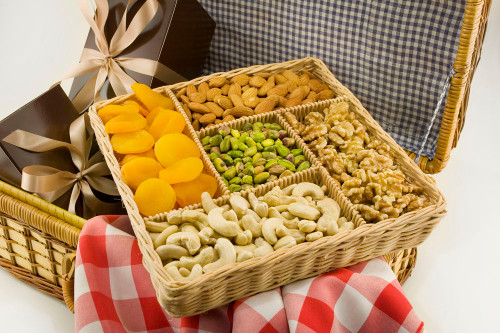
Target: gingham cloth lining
x,y
395,56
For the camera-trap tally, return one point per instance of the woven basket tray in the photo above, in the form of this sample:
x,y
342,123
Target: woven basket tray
x,y
304,260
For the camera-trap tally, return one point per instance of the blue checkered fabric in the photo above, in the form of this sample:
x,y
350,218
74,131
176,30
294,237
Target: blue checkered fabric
x,y
395,56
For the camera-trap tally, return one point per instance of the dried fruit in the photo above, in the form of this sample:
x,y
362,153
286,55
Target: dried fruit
x,y
182,171
151,99
189,193
127,158
110,111
173,147
142,110
132,142
167,121
140,169
125,123
154,196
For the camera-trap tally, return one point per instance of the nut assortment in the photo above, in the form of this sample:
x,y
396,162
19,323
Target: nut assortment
x,y
199,241
256,154
222,100
159,163
362,164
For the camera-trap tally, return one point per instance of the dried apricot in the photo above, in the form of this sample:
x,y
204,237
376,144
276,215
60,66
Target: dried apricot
x,y
189,193
127,158
142,109
140,169
111,111
125,123
173,147
132,143
151,99
167,121
182,171
154,196
152,115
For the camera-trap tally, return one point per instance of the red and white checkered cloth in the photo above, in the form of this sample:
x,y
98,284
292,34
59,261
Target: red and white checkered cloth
x,y
113,293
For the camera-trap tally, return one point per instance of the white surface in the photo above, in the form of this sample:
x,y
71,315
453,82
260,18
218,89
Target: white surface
x,y
454,287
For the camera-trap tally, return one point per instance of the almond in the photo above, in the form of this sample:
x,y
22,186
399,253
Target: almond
x,y
185,99
257,81
207,118
297,93
197,115
212,93
198,97
190,89
245,88
291,86
280,90
264,75
280,79
313,96
304,79
292,102
228,118
291,76
307,101
217,121
235,88
187,111
237,101
197,107
306,89
196,125
309,74
181,92
316,85
223,101
203,88
266,105
251,101
241,79
215,109
249,93
239,111
217,82
265,88
225,89
325,94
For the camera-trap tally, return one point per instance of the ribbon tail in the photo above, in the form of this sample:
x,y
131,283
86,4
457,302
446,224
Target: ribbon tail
x,y
120,81
151,68
85,95
96,205
75,193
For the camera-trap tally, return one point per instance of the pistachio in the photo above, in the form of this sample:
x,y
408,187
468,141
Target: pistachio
x,y
247,179
277,169
259,146
234,188
234,143
257,136
225,145
286,173
273,134
296,152
250,151
261,177
215,140
282,150
270,163
304,165
206,141
226,158
246,186
242,146
267,142
267,155
229,173
235,153
257,125
235,133
258,169
220,165
235,180
286,163
288,142
249,142
299,159
215,150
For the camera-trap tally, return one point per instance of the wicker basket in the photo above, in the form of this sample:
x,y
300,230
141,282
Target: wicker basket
x,y
37,242
304,260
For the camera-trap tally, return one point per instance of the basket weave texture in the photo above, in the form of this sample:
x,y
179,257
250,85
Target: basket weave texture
x,y
239,280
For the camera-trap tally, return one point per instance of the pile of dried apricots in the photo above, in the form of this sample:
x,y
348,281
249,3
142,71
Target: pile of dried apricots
x,y
159,162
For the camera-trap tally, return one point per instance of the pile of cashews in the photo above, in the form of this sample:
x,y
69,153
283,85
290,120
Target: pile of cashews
x,y
199,241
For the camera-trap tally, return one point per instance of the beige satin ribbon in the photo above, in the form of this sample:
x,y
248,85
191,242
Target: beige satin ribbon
x,y
50,183
105,60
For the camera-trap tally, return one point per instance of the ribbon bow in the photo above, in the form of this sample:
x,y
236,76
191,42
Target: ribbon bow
x,y
50,183
105,60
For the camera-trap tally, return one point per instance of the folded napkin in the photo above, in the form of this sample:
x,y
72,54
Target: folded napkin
x,y
114,293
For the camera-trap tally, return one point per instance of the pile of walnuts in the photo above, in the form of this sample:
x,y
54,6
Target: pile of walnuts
x,y
362,164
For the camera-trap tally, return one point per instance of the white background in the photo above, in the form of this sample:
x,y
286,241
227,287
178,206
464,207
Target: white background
x,y
455,285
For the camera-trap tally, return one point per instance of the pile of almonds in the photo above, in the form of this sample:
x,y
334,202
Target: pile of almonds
x,y
223,100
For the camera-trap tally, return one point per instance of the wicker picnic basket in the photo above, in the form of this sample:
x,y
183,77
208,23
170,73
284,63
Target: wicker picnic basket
x,y
34,234
238,280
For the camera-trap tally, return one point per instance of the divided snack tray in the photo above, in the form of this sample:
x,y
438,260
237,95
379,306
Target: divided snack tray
x,y
235,281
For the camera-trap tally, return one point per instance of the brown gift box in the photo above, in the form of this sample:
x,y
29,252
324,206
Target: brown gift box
x,y
49,115
178,36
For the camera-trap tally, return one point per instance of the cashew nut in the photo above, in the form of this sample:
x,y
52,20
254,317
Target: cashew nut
x,y
287,241
244,248
304,211
346,226
174,217
289,189
226,252
230,215
327,223
239,204
171,251
176,275
205,235
314,236
261,208
341,221
156,226
186,239
269,229
249,223
303,189
207,202
299,236
221,225
243,238
282,231
307,226
206,256
162,237
254,215
263,248
245,255
188,227
199,219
